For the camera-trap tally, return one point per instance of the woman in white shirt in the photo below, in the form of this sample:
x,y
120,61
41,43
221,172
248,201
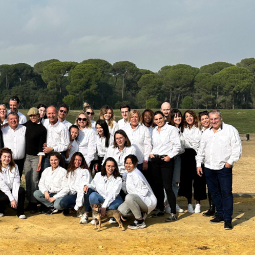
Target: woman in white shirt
x,y
52,185
140,199
191,136
10,191
87,138
106,113
147,119
78,176
3,114
73,146
90,112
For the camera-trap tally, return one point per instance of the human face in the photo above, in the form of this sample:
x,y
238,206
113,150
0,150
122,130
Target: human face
x,y
159,120
13,121
177,120
6,159
74,132
129,165
52,115
134,120
3,110
35,118
77,161
166,108
62,112
100,130
189,119
42,112
124,113
120,140
54,162
109,167
108,114
205,122
14,105
90,113
147,117
215,120
82,121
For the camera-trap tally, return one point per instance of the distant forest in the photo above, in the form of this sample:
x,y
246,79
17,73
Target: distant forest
x,y
96,81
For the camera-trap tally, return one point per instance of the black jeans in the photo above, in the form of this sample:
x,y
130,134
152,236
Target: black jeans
x,y
20,164
162,173
4,201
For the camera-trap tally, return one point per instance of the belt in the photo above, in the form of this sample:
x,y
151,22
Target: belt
x,y
159,156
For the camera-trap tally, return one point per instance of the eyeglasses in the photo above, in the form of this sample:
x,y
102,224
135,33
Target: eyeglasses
x,y
90,113
82,119
63,111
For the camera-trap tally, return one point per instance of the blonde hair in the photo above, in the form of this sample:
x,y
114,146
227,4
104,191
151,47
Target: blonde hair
x,y
88,125
103,111
132,112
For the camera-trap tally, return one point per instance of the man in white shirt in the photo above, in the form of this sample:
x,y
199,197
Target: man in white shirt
x,y
14,104
14,139
220,147
124,110
62,113
166,109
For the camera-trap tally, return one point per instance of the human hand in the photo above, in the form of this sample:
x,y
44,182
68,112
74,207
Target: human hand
x,y
166,158
199,171
14,204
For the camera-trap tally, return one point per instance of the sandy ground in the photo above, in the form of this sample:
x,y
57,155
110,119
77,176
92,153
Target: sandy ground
x,y
191,234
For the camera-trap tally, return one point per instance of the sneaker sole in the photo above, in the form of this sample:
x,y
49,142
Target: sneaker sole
x,y
141,227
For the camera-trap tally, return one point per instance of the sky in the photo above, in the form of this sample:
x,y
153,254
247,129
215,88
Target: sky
x,y
151,34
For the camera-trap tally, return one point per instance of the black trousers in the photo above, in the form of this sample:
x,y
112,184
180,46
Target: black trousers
x,y
162,173
189,177
20,164
4,201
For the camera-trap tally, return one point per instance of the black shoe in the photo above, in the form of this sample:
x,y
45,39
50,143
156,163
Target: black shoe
x,y
51,210
158,214
210,212
172,217
33,209
217,219
28,207
228,225
66,212
42,209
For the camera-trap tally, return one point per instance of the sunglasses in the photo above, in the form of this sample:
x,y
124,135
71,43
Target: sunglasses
x,y
82,119
90,113
63,111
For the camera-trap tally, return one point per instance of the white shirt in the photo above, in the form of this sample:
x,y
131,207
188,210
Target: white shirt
x,y
119,156
10,182
122,123
67,124
150,128
135,183
191,137
74,148
54,181
114,128
217,149
140,138
167,142
57,136
76,181
108,188
100,145
93,124
14,139
87,144
22,117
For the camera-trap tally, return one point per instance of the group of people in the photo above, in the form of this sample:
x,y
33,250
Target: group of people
x,y
136,165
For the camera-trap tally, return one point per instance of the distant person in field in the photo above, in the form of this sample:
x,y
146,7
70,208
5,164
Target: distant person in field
x,y
166,109
62,113
124,110
14,104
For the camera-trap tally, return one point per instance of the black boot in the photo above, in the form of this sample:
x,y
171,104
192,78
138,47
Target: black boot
x,y
211,211
33,208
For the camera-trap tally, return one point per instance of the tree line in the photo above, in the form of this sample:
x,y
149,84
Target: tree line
x,y
96,81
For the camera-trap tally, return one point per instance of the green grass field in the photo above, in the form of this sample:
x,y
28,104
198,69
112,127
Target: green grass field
x,y
242,119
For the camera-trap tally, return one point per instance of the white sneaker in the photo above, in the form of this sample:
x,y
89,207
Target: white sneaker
x,y
112,221
1,215
93,222
198,208
22,216
167,208
178,208
84,219
190,208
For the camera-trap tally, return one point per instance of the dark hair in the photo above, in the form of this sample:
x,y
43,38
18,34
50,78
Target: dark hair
x,y
123,133
159,112
125,106
200,114
71,166
64,106
115,173
58,155
15,98
74,126
175,112
133,158
12,163
41,105
195,121
105,128
152,114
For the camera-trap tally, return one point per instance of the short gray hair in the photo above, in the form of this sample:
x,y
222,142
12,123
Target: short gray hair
x,y
215,112
13,113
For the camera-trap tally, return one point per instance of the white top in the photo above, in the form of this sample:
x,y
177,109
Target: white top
x,y
149,128
122,123
15,140
192,137
135,183
22,117
74,148
67,123
182,141
114,128
100,145
119,156
10,182
54,181
87,144
93,124
57,136
108,188
76,181
167,142
217,149
140,138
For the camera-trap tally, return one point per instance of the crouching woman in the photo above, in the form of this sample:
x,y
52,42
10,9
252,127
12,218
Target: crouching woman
x,y
140,199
